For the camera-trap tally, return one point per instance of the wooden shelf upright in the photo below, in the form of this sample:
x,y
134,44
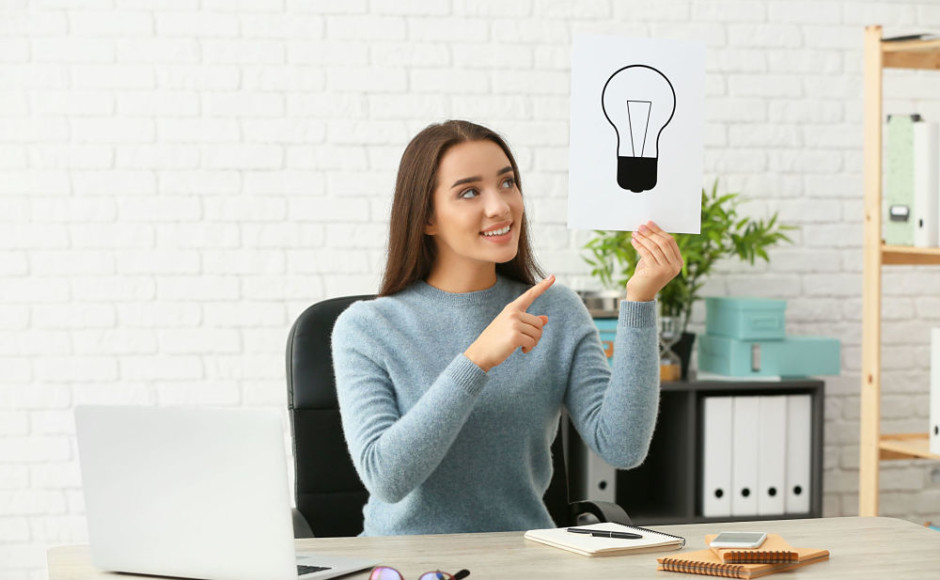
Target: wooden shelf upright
x,y
875,446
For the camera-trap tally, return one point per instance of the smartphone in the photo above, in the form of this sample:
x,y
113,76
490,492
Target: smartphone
x,y
739,540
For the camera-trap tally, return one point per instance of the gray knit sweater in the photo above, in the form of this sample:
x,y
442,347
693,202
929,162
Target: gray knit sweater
x,y
444,447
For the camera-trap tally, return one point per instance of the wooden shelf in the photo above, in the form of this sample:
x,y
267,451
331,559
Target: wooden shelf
x,y
909,256
873,445
911,54
906,446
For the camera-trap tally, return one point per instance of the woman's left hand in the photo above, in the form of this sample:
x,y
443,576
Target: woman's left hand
x,y
660,262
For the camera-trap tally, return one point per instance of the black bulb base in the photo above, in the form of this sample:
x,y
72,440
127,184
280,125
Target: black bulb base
x,y
636,174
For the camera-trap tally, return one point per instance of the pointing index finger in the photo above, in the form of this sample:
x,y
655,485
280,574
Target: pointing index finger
x,y
529,296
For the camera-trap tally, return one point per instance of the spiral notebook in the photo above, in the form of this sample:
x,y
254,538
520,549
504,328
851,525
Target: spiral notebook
x,y
707,563
587,545
774,550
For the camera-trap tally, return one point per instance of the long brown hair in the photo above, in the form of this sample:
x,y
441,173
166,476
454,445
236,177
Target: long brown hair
x,y
411,253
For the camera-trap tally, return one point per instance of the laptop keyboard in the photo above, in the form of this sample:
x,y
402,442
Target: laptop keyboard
x,y
301,569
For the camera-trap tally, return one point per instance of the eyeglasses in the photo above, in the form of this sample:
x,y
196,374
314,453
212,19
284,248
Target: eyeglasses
x,y
387,573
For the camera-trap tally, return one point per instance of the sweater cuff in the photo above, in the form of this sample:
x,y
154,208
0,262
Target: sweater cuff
x,y
638,314
466,374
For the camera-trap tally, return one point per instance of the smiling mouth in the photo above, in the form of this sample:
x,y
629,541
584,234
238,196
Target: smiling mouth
x,y
499,232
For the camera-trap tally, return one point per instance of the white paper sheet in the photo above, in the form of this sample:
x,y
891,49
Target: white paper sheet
x,y
636,142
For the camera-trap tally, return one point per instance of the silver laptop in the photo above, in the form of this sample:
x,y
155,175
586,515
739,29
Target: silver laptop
x,y
192,493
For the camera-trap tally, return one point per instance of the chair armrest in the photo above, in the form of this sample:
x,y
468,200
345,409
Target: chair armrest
x,y
604,511
301,527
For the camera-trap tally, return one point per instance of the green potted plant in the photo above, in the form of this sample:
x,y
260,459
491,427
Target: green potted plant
x,y
724,234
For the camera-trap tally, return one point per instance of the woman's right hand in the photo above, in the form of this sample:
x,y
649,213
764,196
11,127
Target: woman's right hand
x,y
511,329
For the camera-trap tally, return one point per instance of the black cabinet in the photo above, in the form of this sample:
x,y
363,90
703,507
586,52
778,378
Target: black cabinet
x,y
666,488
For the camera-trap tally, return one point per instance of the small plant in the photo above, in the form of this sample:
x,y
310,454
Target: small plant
x,y
724,234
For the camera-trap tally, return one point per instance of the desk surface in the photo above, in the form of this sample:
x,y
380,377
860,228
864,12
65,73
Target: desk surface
x,y
859,547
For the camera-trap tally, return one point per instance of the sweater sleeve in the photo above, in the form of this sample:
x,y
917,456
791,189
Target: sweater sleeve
x,y
615,409
395,453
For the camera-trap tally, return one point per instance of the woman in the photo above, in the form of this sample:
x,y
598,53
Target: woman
x,y
451,382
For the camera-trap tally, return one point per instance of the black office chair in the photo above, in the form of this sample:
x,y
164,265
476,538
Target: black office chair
x,y
329,494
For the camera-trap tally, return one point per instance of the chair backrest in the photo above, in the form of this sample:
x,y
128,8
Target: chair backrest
x,y
328,491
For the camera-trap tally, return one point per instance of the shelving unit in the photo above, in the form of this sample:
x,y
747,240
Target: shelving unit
x,y
666,488
875,446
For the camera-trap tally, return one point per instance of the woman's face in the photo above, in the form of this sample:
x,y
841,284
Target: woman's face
x,y
477,207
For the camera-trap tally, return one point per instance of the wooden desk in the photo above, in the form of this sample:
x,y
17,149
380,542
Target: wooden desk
x,y
860,548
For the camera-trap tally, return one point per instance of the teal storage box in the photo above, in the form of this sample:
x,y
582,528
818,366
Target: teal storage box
x,y
607,327
794,356
745,318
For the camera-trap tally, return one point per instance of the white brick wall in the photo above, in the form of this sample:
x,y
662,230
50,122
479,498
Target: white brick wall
x,y
179,179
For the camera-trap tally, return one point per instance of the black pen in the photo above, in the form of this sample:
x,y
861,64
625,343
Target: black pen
x,y
606,534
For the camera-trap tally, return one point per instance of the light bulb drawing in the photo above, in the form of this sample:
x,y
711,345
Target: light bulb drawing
x,y
638,101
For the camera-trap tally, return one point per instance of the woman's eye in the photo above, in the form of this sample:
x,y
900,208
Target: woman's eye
x,y
509,183
468,193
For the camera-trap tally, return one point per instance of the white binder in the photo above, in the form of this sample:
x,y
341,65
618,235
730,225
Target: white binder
x,y
934,434
926,193
799,448
771,479
744,455
716,456
898,198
